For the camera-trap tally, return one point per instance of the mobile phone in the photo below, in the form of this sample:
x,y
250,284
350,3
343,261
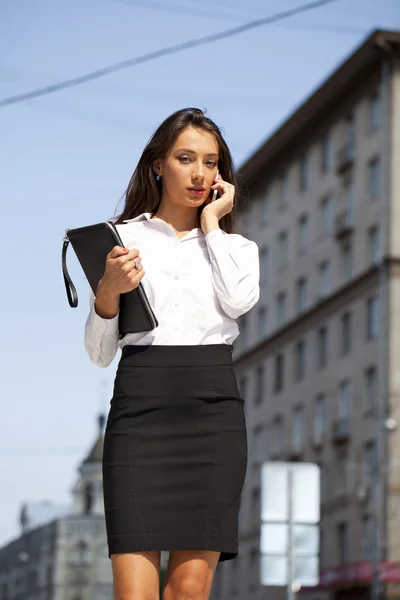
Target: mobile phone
x,y
215,192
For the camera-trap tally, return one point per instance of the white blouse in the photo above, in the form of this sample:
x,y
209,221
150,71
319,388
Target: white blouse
x,y
197,286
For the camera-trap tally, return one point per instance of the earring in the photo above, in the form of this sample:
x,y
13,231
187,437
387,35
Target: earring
x,y
158,177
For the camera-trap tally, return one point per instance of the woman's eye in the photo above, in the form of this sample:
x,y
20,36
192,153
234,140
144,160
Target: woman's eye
x,y
184,158
211,163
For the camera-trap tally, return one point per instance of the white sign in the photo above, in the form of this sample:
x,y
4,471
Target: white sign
x,y
305,492
290,515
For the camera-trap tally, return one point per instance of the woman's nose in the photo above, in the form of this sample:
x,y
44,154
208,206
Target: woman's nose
x,y
198,172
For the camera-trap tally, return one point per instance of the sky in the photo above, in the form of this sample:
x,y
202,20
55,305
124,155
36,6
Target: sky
x,y
65,161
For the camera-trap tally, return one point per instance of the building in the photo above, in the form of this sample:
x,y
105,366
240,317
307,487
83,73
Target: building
x,y
62,551
317,358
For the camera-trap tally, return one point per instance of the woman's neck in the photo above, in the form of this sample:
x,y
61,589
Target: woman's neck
x,y
178,219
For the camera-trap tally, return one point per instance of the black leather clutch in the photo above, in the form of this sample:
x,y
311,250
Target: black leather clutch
x,y
91,245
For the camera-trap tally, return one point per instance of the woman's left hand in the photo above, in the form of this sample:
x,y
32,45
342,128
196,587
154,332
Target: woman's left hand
x,y
223,203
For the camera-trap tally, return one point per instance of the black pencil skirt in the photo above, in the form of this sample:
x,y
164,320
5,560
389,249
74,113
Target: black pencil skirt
x,y
175,451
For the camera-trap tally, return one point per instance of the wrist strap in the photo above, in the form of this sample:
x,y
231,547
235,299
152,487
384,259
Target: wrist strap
x,y
69,286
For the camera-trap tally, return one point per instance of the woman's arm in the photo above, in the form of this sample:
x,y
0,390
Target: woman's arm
x,y
122,274
101,333
235,271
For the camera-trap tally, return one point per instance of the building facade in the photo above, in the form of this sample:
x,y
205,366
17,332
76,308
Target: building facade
x,y
62,552
318,359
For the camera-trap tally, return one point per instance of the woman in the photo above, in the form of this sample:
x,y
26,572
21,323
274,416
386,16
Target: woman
x,y
175,448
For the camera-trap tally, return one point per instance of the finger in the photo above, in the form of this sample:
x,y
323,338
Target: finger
x,y
117,251
132,265
137,275
128,256
221,187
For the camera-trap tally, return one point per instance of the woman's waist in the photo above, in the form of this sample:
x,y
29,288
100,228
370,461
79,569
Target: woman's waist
x,y
177,355
181,334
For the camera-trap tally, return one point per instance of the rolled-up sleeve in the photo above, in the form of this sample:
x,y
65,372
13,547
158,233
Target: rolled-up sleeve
x,y
101,336
235,271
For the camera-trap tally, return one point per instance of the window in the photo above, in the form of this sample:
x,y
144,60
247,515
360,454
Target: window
x,y
303,233
321,546
369,537
370,462
284,192
234,578
259,444
374,178
243,328
298,428
374,112
259,384
344,399
341,474
349,200
301,294
372,318
88,498
326,481
265,207
350,136
243,386
255,505
281,308
326,214
373,245
217,583
262,321
83,552
300,360
342,543
283,244
326,154
279,373
347,261
254,561
304,173
371,389
320,417
322,347
324,279
277,435
264,255
346,334
245,223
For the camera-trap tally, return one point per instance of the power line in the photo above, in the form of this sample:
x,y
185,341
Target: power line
x,y
75,81
212,14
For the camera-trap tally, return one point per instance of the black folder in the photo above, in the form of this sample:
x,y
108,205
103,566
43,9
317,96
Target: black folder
x,y
91,244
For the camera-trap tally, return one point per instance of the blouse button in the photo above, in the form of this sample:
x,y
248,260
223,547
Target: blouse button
x,y
176,277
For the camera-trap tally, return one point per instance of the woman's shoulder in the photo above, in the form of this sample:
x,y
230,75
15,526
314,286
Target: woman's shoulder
x,y
238,238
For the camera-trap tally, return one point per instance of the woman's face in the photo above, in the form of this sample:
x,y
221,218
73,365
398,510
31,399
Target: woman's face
x,y
190,167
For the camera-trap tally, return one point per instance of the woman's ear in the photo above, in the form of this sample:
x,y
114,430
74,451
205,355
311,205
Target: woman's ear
x,y
157,167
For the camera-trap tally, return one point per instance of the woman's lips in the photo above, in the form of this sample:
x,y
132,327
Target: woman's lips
x,y
196,191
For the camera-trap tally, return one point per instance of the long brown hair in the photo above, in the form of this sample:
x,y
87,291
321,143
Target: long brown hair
x,y
143,193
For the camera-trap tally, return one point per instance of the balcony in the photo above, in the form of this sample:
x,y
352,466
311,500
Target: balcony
x,y
343,225
296,451
344,158
341,431
317,441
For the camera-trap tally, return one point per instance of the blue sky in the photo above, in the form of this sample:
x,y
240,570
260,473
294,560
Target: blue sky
x,y
66,159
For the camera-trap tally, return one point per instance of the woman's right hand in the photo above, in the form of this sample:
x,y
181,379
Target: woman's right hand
x,y
120,276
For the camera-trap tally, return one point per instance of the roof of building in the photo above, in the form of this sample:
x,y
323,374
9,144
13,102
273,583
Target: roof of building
x,y
298,126
35,514
95,454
